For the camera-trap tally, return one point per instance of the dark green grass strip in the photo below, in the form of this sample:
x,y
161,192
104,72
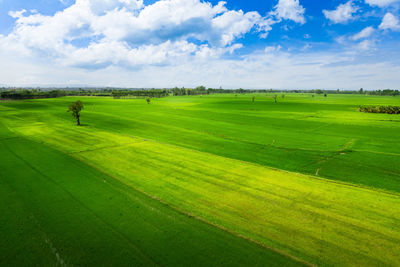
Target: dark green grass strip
x,y
57,210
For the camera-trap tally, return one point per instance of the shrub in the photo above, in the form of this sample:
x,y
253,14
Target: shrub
x,y
380,109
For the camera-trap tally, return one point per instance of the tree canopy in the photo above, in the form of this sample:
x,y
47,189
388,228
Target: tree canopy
x,y
76,108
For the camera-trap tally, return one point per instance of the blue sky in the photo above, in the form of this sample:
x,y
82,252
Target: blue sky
x,y
284,44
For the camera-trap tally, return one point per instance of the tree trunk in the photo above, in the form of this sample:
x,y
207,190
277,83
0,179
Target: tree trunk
x,y
79,122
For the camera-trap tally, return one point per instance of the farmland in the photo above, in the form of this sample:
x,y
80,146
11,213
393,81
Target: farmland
x,y
214,180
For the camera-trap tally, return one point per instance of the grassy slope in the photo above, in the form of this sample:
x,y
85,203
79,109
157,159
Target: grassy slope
x,y
57,210
314,219
301,134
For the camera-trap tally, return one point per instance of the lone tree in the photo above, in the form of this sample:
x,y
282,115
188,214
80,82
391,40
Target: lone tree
x,y
148,100
253,98
76,108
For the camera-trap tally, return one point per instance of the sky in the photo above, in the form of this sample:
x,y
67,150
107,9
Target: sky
x,y
255,44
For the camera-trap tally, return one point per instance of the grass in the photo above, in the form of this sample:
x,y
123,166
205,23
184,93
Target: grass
x,y
309,134
57,210
211,157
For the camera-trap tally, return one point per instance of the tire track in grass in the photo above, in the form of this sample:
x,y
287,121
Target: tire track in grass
x,y
8,138
139,139
190,159
378,152
312,177
230,184
225,137
191,215
104,147
146,258
336,154
206,228
54,250
60,261
350,143
272,168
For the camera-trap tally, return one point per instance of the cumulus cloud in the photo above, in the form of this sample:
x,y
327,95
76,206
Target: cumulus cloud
x,y
381,3
98,33
290,10
390,22
342,14
272,67
365,33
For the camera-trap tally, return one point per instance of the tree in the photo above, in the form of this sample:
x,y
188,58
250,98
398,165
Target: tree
x,y
252,99
200,88
325,95
274,97
361,90
148,100
76,108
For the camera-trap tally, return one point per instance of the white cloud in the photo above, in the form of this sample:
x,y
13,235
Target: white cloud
x,y
366,45
105,53
17,14
98,33
381,3
365,33
291,10
271,49
342,14
233,24
390,22
273,67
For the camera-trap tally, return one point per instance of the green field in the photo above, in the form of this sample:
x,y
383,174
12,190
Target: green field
x,y
210,180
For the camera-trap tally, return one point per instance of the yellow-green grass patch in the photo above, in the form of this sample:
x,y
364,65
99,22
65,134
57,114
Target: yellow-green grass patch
x,y
315,219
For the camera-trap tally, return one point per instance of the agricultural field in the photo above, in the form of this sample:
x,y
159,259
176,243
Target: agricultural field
x,y
211,180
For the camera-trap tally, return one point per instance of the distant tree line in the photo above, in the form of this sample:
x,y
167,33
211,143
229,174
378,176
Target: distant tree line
x,y
201,90
380,109
18,94
385,92
140,93
31,93
388,92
